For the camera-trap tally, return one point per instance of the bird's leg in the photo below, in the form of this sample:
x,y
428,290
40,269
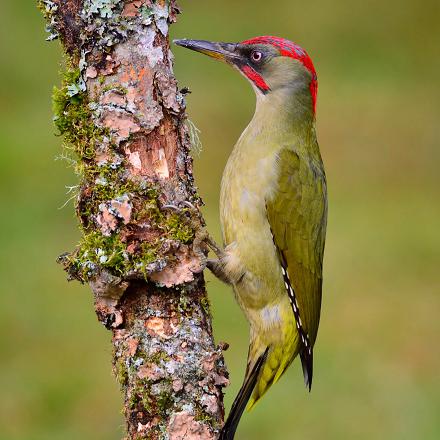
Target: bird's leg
x,y
217,267
203,242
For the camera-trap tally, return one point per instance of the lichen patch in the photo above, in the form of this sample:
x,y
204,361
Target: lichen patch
x,y
120,123
184,426
182,272
159,327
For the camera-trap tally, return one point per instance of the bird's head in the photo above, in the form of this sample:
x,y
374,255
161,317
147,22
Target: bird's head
x,y
271,64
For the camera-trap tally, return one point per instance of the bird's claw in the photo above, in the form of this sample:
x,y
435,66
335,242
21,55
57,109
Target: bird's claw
x,y
179,208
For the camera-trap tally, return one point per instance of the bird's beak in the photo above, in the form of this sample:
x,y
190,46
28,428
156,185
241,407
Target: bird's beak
x,y
221,51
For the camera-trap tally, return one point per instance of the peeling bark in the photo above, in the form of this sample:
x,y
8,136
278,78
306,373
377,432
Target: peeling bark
x,y
122,114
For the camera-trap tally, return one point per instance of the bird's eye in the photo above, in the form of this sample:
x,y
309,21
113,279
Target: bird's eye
x,y
256,56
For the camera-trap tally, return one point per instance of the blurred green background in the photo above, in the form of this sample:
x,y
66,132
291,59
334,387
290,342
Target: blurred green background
x,y
377,373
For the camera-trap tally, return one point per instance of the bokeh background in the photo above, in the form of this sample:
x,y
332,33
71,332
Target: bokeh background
x,y
377,373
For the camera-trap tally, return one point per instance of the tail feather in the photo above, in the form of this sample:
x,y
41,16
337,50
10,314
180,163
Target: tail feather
x,y
239,405
306,356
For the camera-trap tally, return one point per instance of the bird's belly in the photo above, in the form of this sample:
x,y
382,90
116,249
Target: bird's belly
x,y
249,248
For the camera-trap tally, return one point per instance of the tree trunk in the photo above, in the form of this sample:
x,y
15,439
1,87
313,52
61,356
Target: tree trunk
x,y
124,126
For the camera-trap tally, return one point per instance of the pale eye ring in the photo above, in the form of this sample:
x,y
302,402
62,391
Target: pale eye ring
x,y
256,56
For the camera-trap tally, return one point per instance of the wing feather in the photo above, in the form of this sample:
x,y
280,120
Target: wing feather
x,y
297,215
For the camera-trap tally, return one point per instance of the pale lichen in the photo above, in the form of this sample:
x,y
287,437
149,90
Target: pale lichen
x,y
49,9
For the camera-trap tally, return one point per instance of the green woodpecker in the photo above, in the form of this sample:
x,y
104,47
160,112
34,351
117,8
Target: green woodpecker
x,y
273,209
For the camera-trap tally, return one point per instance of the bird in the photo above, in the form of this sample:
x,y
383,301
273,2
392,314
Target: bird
x,y
273,212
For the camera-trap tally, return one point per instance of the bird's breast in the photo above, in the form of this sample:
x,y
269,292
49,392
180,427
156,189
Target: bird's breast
x,y
246,185
248,181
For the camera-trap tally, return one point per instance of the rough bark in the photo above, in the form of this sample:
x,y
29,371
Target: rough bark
x,y
123,121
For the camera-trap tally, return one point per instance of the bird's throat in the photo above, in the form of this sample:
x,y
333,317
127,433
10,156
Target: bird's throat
x,y
283,118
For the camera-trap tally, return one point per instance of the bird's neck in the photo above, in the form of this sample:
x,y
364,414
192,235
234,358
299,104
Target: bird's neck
x,y
285,115
280,121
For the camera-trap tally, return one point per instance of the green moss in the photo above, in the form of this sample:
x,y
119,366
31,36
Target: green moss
x,y
148,254
204,302
146,401
103,185
175,226
73,117
133,401
164,401
184,304
140,397
158,357
121,372
89,170
96,250
202,416
179,229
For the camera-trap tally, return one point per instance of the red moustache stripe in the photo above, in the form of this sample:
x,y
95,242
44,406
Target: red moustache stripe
x,y
256,78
